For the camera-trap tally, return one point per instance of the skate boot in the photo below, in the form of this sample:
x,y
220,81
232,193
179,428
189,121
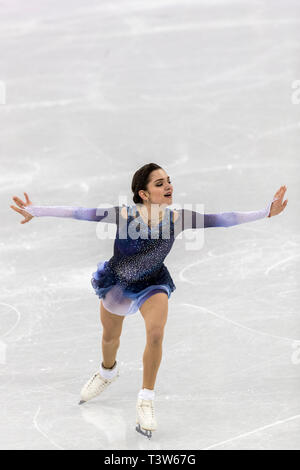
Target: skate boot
x,y
145,418
97,384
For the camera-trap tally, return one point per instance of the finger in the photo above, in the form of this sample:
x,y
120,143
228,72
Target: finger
x,y
27,198
19,201
16,198
281,193
18,210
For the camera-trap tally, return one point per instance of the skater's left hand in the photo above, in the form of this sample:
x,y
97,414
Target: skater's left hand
x,y
278,206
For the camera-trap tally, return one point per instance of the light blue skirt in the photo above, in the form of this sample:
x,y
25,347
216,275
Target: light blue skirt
x,y
120,300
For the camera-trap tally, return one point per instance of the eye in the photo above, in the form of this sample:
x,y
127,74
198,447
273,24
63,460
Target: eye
x,y
160,184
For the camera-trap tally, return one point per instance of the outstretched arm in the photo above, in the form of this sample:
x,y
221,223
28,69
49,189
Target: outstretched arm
x,y
108,214
191,219
28,210
228,219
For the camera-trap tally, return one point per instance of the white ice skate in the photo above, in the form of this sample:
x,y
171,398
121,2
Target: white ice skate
x,y
145,418
96,385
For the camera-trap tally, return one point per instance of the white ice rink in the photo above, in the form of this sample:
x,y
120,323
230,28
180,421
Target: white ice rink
x,y
95,89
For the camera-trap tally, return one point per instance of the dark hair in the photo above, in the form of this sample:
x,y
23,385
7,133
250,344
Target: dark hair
x,y
140,180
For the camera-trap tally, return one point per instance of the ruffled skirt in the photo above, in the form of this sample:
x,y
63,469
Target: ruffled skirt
x,y
123,299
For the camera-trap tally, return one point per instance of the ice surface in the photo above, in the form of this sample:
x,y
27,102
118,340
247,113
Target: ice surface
x,y
94,90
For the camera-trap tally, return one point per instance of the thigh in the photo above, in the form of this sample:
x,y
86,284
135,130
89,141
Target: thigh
x,y
115,302
112,324
155,310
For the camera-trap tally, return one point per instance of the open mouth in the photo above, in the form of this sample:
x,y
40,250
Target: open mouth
x,y
168,195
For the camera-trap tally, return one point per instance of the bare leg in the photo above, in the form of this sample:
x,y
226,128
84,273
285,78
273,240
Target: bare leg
x,y
154,311
112,328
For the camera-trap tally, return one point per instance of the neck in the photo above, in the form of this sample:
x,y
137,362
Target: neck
x,y
152,211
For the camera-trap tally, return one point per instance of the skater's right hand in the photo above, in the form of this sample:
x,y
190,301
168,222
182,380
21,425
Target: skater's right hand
x,y
20,203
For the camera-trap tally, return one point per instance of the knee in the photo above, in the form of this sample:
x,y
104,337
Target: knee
x,y
155,336
108,337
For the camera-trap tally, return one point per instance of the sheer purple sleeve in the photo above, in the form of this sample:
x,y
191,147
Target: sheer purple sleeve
x,y
109,214
191,219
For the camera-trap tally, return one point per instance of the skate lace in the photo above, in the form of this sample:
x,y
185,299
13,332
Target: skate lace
x,y
100,386
148,404
93,378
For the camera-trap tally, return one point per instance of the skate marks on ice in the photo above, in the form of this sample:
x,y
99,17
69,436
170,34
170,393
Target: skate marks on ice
x,y
116,427
44,434
44,104
148,440
138,29
255,431
27,172
111,423
14,318
95,427
241,247
286,260
240,325
144,443
281,262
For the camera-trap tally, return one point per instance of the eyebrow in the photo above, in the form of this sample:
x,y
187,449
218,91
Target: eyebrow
x,y
160,179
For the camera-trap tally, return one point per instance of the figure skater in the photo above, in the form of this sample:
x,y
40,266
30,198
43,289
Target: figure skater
x,y
135,277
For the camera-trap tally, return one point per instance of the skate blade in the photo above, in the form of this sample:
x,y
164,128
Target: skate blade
x,y
145,432
81,402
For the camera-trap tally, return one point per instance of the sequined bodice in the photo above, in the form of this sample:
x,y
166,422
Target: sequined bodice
x,y
140,255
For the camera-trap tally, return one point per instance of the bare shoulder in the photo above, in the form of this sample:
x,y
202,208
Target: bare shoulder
x,y
124,213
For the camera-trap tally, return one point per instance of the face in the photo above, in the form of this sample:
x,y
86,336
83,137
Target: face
x,y
158,187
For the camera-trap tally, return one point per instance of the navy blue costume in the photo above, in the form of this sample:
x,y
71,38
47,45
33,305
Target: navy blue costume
x,y
137,270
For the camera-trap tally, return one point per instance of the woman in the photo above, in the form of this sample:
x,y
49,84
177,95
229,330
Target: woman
x,y
135,278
